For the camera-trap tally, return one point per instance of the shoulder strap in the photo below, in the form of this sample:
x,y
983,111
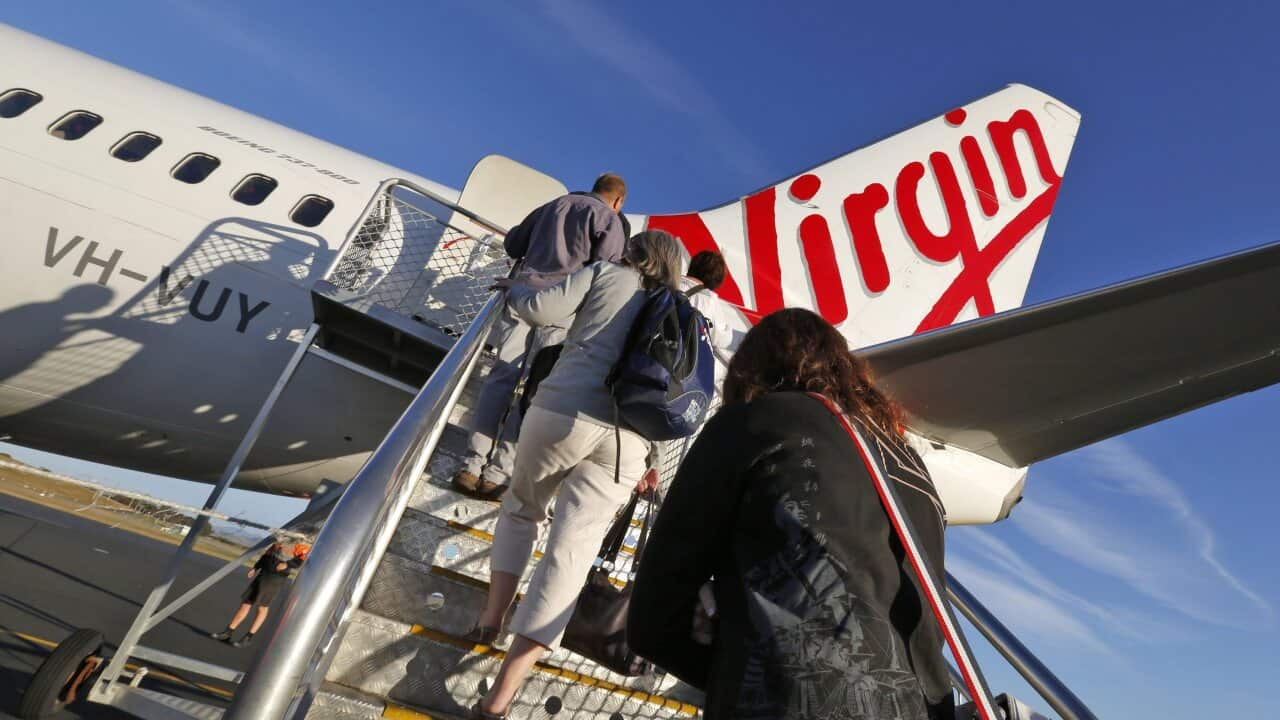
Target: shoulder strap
x,y
932,585
633,336
617,535
655,500
695,290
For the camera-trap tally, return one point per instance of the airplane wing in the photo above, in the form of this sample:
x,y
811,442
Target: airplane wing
x,y
1029,384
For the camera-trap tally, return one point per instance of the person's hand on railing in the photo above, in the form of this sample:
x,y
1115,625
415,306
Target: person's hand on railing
x,y
504,283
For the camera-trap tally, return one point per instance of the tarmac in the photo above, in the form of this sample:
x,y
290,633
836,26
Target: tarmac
x,y
60,572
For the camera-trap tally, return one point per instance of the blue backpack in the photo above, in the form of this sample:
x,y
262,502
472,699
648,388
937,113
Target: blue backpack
x,y
665,378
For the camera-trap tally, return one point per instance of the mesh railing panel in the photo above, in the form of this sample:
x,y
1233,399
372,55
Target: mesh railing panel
x,y
670,454
410,262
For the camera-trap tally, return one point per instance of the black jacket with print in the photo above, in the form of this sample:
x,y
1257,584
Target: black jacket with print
x,y
820,614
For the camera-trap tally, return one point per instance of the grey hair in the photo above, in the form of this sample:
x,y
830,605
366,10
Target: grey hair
x,y
656,255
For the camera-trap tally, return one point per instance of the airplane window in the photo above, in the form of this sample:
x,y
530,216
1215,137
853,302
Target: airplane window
x,y
16,102
195,168
253,189
75,125
311,210
135,146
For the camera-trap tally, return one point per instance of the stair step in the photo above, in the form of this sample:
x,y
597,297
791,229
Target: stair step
x,y
338,703
335,702
404,655
446,602
442,673
462,549
454,564
434,494
359,329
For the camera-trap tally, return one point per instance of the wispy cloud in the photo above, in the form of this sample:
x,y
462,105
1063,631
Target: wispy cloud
x,y
244,41
658,75
1142,560
1134,524
1026,610
298,65
1017,575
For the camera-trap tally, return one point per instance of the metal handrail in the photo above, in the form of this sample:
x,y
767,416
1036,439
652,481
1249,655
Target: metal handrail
x,y
287,671
1058,695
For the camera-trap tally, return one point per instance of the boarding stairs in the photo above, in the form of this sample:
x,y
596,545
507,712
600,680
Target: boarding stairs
x,y
403,650
374,624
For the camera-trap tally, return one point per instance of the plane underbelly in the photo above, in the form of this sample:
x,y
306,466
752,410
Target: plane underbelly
x,y
151,346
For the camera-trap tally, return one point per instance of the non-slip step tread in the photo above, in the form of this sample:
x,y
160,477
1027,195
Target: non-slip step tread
x,y
433,542
404,646
338,703
443,601
442,673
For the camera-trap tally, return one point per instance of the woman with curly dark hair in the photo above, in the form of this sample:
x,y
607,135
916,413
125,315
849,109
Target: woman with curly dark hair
x,y
818,613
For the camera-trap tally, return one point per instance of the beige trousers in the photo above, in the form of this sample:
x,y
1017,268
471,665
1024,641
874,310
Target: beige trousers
x,y
576,457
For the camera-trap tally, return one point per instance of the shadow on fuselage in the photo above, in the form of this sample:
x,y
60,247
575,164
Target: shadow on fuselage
x,y
29,331
168,379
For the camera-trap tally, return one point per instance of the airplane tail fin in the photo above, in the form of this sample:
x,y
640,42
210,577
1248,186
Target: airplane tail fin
x,y
939,223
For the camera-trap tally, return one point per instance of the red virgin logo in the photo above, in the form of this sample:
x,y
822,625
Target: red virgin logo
x,y
866,210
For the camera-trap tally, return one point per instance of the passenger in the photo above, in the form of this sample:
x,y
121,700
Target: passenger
x,y
269,575
555,240
706,274
569,444
817,605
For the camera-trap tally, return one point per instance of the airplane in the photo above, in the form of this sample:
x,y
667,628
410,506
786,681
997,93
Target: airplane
x,y
160,251
165,255
163,247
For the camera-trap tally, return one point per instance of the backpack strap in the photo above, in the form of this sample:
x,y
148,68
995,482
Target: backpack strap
x,y
633,336
934,589
695,290
617,438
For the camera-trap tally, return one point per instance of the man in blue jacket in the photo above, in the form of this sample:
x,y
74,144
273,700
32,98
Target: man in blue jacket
x,y
554,240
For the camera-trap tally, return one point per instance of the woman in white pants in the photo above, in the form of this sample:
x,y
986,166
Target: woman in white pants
x,y
567,444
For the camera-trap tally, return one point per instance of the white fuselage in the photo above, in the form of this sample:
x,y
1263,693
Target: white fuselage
x,y
107,351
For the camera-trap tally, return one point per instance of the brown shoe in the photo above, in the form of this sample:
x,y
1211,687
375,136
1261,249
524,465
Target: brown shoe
x,y
473,486
481,635
466,482
489,491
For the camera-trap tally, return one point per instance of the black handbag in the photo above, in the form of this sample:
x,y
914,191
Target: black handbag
x,y
598,628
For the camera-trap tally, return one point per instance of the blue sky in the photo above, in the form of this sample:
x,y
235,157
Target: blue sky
x,y
1142,569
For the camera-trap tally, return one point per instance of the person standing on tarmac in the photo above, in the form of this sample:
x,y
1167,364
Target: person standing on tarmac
x,y
554,241
268,576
